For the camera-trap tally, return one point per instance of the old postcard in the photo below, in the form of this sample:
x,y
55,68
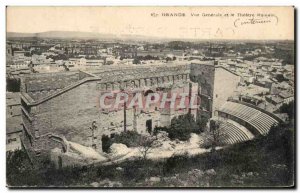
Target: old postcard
x,y
106,97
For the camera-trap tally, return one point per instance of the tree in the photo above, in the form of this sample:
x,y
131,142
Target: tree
x,y
168,59
182,126
136,61
201,123
289,109
145,145
19,170
186,122
215,136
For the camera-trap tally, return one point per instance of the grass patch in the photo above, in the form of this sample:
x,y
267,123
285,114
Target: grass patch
x,y
265,161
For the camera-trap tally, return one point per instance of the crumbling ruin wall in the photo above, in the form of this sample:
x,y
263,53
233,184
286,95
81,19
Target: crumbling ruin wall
x,y
203,73
72,113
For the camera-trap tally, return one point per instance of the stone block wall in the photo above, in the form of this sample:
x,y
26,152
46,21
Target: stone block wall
x,y
72,112
203,73
226,83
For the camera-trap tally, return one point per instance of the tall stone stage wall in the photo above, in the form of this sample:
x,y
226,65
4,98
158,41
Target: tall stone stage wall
x,y
66,104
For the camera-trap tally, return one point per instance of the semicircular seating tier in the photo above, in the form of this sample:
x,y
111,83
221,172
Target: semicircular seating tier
x,y
259,120
234,133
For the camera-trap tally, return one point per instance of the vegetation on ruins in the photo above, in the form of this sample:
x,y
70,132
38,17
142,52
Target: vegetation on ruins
x,y
215,135
136,61
145,145
182,126
180,134
264,161
289,109
128,138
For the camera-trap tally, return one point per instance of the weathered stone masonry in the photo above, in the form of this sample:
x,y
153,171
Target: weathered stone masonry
x,y
66,104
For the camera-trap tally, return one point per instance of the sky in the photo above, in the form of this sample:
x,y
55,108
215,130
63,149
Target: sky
x,y
197,22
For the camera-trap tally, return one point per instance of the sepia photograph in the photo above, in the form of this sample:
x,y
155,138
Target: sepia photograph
x,y
150,97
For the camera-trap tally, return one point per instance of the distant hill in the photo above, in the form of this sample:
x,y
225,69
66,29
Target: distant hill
x,y
124,37
78,35
62,34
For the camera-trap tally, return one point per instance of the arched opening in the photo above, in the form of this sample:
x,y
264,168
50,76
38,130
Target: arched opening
x,y
148,92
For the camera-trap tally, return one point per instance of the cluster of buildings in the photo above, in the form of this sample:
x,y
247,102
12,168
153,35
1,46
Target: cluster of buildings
x,y
61,83
265,82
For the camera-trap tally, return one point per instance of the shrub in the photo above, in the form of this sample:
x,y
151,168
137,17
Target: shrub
x,y
19,171
182,126
181,134
175,162
269,159
289,109
128,138
184,122
201,124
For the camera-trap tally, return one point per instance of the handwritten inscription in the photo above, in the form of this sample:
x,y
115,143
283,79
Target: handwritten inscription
x,y
254,21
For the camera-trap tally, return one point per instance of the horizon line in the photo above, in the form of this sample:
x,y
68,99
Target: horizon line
x,y
149,36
